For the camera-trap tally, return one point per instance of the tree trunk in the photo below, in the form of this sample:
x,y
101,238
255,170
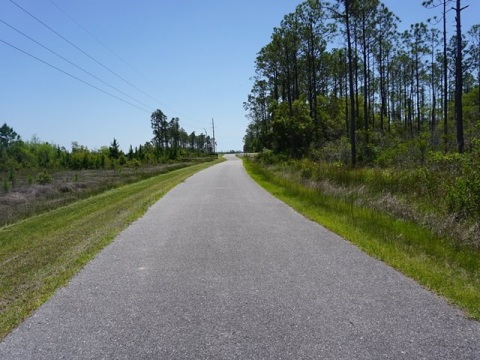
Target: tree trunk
x,y
459,80
365,74
445,76
352,92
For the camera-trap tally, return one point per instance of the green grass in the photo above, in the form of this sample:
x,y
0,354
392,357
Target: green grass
x,y
40,254
440,265
28,198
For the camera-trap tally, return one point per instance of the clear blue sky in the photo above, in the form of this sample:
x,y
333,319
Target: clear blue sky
x,y
192,59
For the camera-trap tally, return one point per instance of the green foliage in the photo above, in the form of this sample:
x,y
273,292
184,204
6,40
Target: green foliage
x,y
43,178
6,186
114,149
7,137
169,139
134,163
438,263
292,128
122,160
463,196
305,99
405,154
12,176
331,117
449,181
18,155
266,156
337,151
45,251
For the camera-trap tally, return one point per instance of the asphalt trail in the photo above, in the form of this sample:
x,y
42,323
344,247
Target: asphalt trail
x,y
220,269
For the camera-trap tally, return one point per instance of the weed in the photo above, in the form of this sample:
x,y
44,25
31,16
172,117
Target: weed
x,y
12,177
6,186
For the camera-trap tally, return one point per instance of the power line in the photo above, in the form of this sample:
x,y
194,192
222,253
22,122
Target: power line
x,y
99,41
117,55
71,63
72,76
92,58
82,51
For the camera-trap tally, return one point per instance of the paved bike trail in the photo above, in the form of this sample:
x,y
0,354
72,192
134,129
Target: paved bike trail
x,y
220,269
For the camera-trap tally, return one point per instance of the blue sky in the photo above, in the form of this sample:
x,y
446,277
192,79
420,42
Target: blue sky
x,y
192,59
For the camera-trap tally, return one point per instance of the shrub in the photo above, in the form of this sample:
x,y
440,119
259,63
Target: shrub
x,y
44,178
266,156
338,151
463,197
307,169
134,164
406,154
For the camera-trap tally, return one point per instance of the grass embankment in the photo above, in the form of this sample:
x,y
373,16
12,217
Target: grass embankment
x,y
440,264
29,197
40,254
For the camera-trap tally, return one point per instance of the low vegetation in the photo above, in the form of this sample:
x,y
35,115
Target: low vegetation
x,y
60,207
386,218
375,133
441,192
41,253
37,191
37,176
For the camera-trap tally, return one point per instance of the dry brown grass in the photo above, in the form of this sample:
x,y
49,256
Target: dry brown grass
x,y
26,198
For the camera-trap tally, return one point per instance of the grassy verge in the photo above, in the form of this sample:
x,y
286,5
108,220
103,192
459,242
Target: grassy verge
x,y
40,254
441,265
28,197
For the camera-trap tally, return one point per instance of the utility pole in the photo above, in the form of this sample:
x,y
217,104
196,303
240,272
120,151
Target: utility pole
x,y
214,144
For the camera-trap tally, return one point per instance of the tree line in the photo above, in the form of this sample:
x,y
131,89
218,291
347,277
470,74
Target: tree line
x,y
342,77
170,139
170,142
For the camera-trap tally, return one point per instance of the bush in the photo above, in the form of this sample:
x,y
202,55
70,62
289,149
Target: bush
x,y
463,197
406,154
44,178
266,156
134,164
306,169
338,151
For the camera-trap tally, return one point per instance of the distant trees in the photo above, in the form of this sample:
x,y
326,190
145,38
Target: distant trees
x,y
376,88
114,149
171,140
7,136
474,54
444,6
